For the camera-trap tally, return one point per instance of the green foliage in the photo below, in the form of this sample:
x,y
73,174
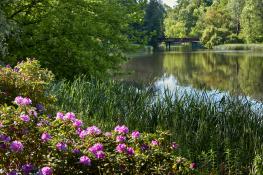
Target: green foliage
x,y
25,79
7,29
236,127
40,152
153,22
253,47
214,36
217,22
72,37
215,31
252,21
257,167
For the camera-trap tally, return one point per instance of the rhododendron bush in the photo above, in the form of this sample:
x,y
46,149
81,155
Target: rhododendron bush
x,y
25,79
32,142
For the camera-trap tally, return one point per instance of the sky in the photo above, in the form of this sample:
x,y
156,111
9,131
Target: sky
x,y
169,2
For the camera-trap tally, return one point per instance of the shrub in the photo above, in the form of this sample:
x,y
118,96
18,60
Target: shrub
x,y
25,79
188,116
32,143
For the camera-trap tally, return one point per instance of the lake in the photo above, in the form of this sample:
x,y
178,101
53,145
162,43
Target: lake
x,y
228,72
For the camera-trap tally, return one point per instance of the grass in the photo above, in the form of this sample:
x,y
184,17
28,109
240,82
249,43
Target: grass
x,y
253,47
227,135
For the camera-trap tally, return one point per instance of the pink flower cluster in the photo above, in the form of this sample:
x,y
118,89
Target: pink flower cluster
x,y
46,171
120,134
45,137
61,146
70,116
97,150
122,148
85,160
135,134
16,146
21,101
155,143
93,131
120,138
25,118
121,129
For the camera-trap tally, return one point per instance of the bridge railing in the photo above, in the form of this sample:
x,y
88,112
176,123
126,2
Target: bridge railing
x,y
178,40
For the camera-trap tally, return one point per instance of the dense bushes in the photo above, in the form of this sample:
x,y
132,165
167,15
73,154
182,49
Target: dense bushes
x,y
31,142
69,37
26,79
32,138
224,133
35,141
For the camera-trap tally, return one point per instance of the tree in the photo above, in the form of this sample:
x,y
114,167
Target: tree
x,y
182,21
217,21
252,21
236,7
153,21
73,37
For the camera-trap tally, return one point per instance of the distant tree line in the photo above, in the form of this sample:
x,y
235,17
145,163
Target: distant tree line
x,y
216,21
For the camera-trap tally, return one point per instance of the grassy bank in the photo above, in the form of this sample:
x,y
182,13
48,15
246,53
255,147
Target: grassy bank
x,y
226,134
253,47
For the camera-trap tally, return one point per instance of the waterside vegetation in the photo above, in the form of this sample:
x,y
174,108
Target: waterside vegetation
x,y
225,133
250,47
79,46
216,22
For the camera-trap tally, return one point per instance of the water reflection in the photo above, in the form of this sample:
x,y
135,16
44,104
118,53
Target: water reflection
x,y
236,73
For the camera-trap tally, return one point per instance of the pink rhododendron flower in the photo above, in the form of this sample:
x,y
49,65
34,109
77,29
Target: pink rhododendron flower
x,y
83,134
130,151
16,146
45,137
93,130
121,148
25,118
77,123
85,160
155,142
61,146
20,101
78,131
70,116
100,155
121,129
96,147
27,101
135,134
46,171
120,138
60,116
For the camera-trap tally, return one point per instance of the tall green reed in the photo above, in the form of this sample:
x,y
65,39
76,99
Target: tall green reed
x,y
228,127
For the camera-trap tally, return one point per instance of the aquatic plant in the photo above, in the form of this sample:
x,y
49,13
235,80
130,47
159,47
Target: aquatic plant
x,y
195,120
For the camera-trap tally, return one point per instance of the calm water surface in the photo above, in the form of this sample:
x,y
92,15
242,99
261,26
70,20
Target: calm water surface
x,y
231,72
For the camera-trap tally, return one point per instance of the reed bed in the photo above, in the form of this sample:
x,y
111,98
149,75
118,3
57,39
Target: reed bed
x,y
253,47
224,136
